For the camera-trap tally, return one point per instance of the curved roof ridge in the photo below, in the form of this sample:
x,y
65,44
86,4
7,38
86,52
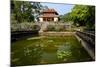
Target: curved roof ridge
x,y
49,10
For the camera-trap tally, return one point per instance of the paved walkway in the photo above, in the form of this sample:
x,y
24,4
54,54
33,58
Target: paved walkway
x,y
56,33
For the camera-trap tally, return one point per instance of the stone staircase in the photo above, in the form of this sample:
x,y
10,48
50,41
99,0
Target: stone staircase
x,y
43,26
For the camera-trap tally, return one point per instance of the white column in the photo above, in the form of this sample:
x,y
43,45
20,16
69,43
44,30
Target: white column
x,y
55,19
41,19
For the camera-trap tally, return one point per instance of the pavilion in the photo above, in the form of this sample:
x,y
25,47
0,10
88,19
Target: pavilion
x,y
49,15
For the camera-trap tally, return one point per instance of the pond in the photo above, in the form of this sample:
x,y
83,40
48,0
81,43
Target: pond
x,y
47,50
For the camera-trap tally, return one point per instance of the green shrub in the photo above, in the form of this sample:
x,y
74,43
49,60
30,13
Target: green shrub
x,y
22,26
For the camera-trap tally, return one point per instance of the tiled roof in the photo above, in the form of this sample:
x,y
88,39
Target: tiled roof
x,y
49,10
49,15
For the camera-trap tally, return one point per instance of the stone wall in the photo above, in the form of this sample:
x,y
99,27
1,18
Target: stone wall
x,y
44,26
87,41
56,33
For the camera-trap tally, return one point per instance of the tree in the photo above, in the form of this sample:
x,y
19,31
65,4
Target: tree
x,y
16,10
65,17
83,15
23,10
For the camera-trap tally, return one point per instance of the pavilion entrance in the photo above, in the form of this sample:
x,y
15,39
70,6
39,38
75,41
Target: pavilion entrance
x,y
48,19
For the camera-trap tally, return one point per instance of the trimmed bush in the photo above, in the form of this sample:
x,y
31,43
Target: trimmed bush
x,y
24,27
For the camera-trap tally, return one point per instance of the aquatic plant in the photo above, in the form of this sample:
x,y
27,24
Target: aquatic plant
x,y
30,55
63,54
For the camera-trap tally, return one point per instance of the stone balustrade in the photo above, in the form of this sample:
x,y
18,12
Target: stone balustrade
x,y
88,37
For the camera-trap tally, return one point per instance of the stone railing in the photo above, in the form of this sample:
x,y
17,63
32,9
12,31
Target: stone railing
x,y
88,37
87,40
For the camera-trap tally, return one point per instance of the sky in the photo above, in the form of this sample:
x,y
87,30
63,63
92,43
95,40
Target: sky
x,y
60,8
